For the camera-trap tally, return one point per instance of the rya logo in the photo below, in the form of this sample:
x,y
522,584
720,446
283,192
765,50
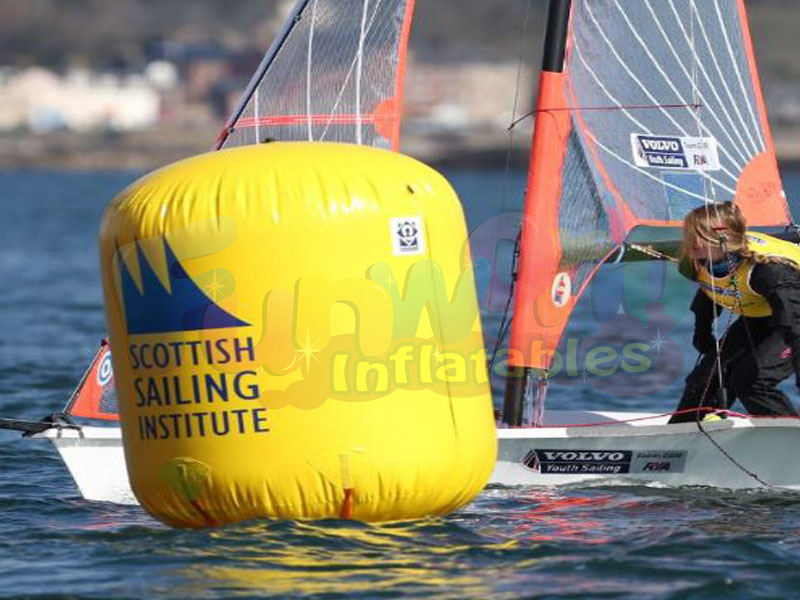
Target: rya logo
x,y
408,236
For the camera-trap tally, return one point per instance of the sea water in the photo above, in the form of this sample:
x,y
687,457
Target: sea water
x,y
634,542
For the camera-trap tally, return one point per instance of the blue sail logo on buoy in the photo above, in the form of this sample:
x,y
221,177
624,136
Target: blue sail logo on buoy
x,y
155,309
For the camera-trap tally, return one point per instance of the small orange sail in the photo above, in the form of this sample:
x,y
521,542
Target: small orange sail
x,y
95,397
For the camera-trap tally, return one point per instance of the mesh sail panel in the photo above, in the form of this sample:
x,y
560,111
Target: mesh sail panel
x,y
670,107
583,221
336,76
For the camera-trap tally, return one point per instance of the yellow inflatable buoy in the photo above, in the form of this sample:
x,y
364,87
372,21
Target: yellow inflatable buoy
x,y
296,335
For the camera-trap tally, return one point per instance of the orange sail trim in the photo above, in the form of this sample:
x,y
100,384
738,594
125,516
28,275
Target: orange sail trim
x,y
95,397
544,298
751,61
759,192
399,89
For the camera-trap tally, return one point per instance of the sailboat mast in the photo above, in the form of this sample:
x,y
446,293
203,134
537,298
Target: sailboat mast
x,y
527,361
555,41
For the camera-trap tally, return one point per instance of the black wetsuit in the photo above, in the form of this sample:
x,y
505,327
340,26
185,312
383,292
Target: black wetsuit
x,y
757,353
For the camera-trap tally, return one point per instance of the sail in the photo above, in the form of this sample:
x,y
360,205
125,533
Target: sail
x,y
658,110
95,396
335,73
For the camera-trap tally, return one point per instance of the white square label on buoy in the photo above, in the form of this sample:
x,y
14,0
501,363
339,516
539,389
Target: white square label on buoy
x,y
408,236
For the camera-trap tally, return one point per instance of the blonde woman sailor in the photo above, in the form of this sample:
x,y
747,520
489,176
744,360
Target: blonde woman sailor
x,y
757,277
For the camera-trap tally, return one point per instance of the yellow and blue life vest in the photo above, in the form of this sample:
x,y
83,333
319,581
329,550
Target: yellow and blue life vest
x,y
733,292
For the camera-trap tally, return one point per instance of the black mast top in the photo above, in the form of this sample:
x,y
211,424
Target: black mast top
x,y
555,41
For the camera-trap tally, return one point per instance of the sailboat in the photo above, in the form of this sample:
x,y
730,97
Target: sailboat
x,y
93,454
646,110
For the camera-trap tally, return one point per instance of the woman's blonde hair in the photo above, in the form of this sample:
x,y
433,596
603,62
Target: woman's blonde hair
x,y
723,226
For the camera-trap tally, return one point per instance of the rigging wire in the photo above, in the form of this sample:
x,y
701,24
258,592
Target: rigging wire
x,y
714,442
622,107
505,322
728,258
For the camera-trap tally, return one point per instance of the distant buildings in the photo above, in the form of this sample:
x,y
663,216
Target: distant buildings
x,y
466,95
191,84
195,85
41,101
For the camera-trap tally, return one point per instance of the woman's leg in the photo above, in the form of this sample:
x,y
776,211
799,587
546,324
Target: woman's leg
x,y
702,384
701,390
754,377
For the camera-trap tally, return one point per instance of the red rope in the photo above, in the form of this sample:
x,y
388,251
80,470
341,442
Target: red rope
x,y
596,108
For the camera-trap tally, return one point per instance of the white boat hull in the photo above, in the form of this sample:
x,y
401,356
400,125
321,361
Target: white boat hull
x,y
634,448
596,448
96,461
